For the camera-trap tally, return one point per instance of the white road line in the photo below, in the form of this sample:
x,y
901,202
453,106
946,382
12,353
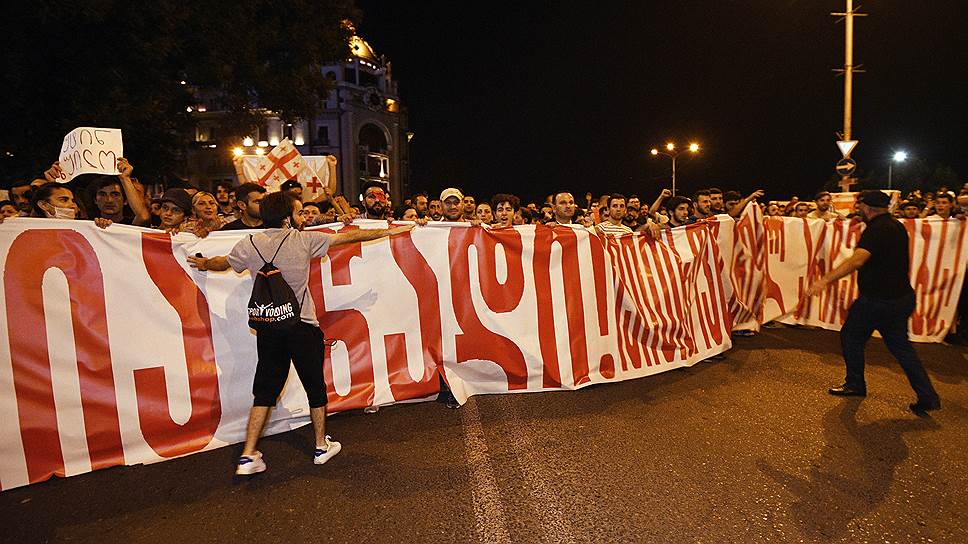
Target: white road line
x,y
491,525
543,485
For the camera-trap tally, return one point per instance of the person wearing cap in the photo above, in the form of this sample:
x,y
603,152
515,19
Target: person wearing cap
x,y
176,205
824,209
912,209
885,303
293,188
452,205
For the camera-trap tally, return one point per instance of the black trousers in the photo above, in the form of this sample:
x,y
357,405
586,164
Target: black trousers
x,y
890,318
303,345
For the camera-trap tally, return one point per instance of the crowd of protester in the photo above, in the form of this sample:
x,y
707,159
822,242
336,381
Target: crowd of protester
x,y
123,199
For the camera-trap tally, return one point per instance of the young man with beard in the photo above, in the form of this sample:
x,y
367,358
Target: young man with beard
x,y
702,204
679,208
291,249
420,204
249,195
885,302
717,201
825,209
435,210
374,201
112,192
225,198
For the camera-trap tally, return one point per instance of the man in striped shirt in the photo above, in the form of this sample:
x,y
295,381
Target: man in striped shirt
x,y
615,211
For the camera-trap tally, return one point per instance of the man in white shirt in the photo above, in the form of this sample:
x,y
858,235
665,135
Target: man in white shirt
x,y
824,209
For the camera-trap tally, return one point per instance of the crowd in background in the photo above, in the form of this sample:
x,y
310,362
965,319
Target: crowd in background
x,y
123,199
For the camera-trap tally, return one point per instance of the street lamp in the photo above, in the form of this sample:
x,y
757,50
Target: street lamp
x,y
899,156
673,154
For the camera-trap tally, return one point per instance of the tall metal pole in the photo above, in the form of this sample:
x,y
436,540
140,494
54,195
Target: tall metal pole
x,y
890,174
848,67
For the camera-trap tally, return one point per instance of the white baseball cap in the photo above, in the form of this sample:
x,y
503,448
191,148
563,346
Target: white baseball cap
x,y
449,192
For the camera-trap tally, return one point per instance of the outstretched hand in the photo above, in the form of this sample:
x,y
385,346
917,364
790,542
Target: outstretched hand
x,y
399,230
815,288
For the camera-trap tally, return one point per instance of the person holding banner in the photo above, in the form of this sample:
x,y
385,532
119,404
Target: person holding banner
x,y
301,344
885,303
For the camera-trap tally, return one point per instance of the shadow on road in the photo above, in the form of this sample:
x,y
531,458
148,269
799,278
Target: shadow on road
x,y
853,474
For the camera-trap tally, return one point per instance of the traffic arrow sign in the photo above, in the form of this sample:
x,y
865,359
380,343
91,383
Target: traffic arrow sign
x,y
846,166
846,146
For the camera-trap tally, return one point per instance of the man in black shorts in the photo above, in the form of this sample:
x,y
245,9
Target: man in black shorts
x,y
302,344
885,303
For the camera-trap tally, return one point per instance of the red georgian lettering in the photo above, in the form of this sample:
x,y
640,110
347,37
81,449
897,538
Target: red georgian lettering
x,y
167,438
606,365
565,237
347,326
477,342
424,282
36,252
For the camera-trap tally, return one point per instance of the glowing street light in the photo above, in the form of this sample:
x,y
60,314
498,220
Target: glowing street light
x,y
237,151
673,154
899,156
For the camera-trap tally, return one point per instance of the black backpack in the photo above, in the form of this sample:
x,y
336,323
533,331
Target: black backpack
x,y
273,305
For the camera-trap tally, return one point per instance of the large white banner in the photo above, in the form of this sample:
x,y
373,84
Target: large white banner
x,y
113,351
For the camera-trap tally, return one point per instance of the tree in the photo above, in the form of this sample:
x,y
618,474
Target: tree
x,y
121,64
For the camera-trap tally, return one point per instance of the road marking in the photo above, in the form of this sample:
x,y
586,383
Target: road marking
x,y
491,525
544,486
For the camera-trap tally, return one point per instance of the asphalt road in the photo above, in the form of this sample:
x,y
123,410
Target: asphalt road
x,y
748,449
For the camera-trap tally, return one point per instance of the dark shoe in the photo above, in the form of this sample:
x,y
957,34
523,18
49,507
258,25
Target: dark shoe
x,y
447,399
847,391
921,407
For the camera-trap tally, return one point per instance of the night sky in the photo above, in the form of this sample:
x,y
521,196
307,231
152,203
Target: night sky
x,y
528,99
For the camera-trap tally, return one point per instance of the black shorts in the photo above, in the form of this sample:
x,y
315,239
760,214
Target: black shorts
x,y
303,345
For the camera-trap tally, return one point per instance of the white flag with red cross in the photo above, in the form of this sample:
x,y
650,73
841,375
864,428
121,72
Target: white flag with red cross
x,y
282,163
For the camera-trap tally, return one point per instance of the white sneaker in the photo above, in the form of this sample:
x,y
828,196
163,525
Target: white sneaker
x,y
250,464
323,455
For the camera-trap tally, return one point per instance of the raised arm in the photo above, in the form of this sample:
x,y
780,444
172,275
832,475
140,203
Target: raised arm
x,y
137,202
738,209
666,193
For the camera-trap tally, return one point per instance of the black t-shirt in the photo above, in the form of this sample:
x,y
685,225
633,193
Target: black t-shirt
x,y
238,225
885,274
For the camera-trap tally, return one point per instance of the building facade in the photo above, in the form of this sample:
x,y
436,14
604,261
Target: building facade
x,y
362,122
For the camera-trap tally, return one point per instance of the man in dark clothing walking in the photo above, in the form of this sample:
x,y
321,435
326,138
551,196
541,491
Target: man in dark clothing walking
x,y
885,303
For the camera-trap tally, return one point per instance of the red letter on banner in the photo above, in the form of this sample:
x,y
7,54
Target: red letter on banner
x,y
167,438
348,326
477,342
418,272
574,307
37,251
